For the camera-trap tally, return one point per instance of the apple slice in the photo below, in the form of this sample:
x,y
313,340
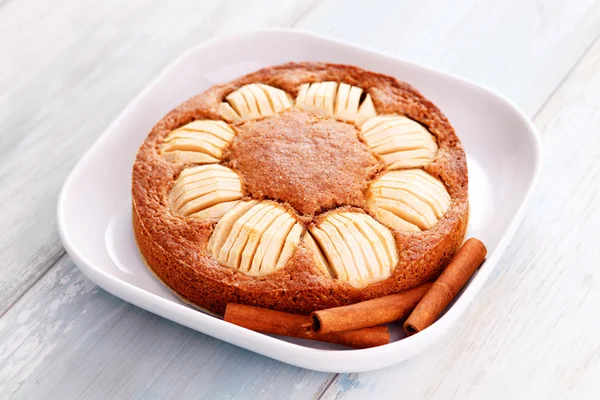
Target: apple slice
x,y
397,143
254,101
234,256
301,97
374,122
402,210
408,159
238,102
272,240
219,129
235,230
352,104
202,136
193,195
417,189
414,202
228,113
394,221
400,141
349,106
366,110
181,135
365,247
255,235
438,202
318,98
188,192
341,99
261,97
204,172
386,237
318,256
225,224
213,169
209,200
291,242
357,249
251,102
269,262
333,257
352,271
216,211
351,242
190,157
197,145
329,98
381,254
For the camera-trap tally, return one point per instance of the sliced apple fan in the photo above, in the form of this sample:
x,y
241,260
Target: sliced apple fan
x,y
206,191
199,142
408,200
353,247
255,238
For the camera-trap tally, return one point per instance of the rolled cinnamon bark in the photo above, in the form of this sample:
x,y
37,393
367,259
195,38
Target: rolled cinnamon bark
x,y
463,265
300,326
368,313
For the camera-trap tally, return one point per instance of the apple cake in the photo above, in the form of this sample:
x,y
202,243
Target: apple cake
x,y
300,187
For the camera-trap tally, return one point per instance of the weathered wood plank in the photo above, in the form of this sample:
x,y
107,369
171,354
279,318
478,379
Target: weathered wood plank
x,y
67,70
520,48
68,339
533,332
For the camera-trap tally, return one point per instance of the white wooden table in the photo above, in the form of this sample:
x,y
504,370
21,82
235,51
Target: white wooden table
x,y
68,67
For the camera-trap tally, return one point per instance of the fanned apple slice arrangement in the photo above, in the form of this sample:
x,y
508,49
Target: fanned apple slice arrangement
x,y
354,248
399,141
206,191
408,200
256,238
254,101
259,237
199,142
341,101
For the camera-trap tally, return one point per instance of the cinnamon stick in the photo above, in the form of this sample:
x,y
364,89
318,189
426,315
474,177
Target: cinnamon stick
x,y
300,326
463,265
368,313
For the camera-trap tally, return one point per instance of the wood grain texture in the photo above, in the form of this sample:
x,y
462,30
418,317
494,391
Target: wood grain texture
x,y
533,332
68,339
521,48
68,69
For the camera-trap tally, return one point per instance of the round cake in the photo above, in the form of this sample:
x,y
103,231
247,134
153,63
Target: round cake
x,y
300,187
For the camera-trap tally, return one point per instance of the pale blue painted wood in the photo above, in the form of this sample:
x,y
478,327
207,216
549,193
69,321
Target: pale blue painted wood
x,y
68,339
521,48
70,67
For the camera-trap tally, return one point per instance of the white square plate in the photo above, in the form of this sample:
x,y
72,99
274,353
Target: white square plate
x,y
94,209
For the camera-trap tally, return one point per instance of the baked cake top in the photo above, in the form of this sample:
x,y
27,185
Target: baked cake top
x,y
355,168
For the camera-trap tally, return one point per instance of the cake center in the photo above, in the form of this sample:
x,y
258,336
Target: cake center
x,y
313,163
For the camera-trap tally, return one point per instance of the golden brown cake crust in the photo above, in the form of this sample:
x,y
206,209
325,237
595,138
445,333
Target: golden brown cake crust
x,y
176,247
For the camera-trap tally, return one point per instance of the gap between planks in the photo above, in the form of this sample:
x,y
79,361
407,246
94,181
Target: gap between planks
x,y
331,378
34,282
562,81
